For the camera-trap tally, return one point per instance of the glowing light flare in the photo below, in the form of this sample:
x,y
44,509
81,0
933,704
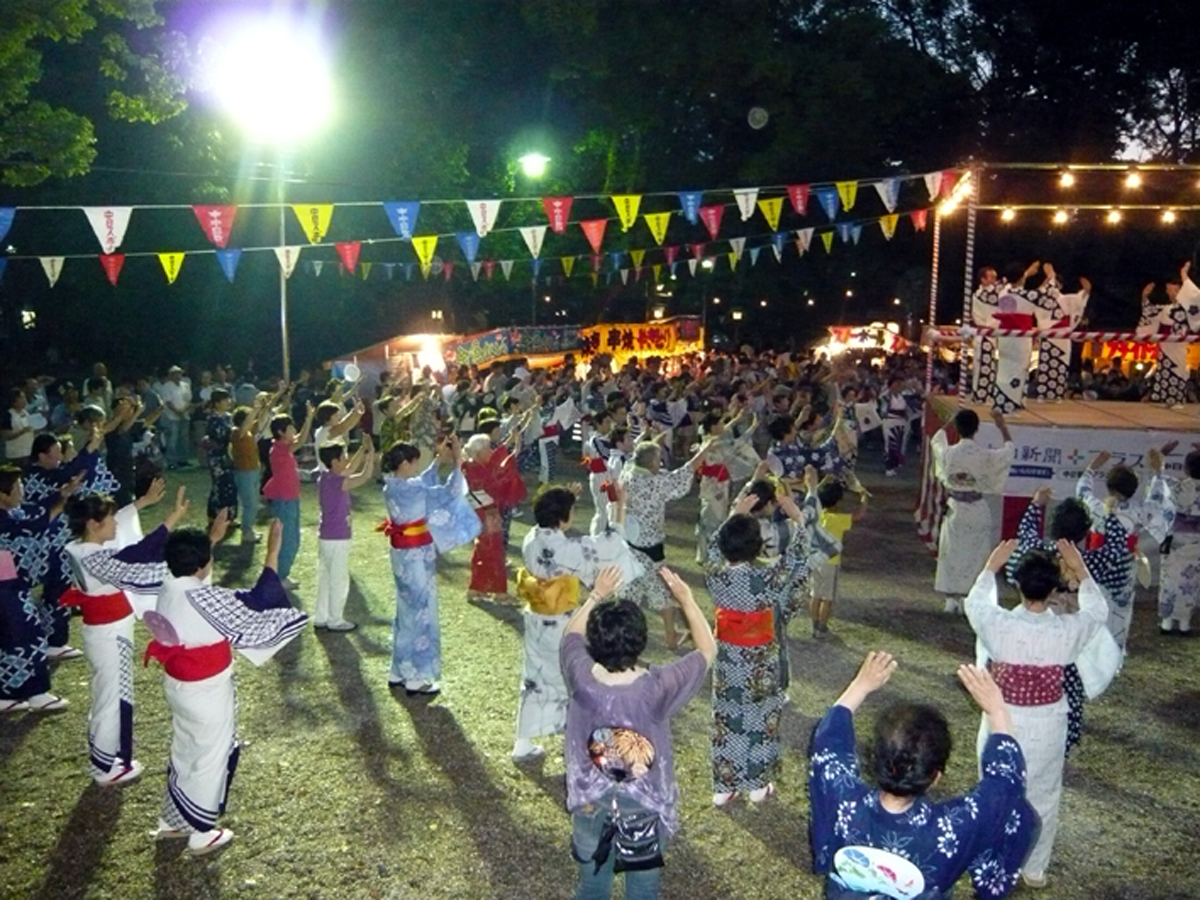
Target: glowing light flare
x,y
961,192
533,164
707,263
430,354
1060,217
1008,214
1133,180
1169,217
1066,179
1113,217
716,301
737,315
762,303
896,301
812,302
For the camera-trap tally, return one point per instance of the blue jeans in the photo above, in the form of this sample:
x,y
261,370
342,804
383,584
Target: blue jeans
x,y
586,830
288,513
175,440
247,491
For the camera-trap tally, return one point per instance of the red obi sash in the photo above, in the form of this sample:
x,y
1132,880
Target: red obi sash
x,y
716,470
406,535
1095,540
1028,685
190,663
597,466
745,629
98,609
1015,320
550,431
610,491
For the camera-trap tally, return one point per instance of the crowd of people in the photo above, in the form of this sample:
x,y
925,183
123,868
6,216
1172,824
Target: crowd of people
x,y
772,444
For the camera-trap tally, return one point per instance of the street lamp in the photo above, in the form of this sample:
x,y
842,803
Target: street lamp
x,y
533,165
273,79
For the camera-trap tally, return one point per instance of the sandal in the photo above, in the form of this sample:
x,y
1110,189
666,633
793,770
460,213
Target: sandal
x,y
46,703
12,706
724,799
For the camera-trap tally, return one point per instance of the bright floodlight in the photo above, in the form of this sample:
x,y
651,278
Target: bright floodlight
x,y
1168,217
275,81
1133,180
1066,179
533,165
1060,217
1008,214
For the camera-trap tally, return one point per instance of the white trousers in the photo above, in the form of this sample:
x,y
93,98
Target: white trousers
x,y
333,580
109,652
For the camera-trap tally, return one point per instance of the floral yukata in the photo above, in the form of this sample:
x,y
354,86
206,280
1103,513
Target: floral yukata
x,y
1179,579
223,493
985,833
646,497
1179,319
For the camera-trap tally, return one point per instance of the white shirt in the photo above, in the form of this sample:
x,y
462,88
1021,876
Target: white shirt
x,y
175,395
19,447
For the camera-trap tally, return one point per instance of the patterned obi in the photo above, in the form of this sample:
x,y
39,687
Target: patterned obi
x,y
548,596
745,629
1028,685
406,535
190,663
717,470
965,496
98,609
1185,524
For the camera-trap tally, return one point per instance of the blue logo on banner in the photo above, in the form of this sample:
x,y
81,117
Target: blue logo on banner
x,y
403,216
229,260
828,198
690,202
779,239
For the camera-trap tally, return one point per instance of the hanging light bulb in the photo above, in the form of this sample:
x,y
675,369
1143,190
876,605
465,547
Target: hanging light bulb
x,y
1169,217
1060,217
1008,214
1066,179
1114,216
1133,180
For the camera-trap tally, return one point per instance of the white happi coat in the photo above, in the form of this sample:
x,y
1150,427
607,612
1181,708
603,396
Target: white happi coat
x,y
1021,637
967,531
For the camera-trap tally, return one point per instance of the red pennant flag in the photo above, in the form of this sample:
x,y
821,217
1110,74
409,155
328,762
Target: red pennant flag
x,y
594,229
597,261
697,250
919,218
447,270
489,268
112,263
671,253
558,211
348,251
798,195
711,216
216,222
949,179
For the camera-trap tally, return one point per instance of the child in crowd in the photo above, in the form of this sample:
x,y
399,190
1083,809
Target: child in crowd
x,y
283,488
824,583
339,476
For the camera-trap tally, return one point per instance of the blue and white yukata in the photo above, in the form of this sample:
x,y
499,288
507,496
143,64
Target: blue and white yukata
x,y
440,511
983,349
1179,319
986,833
23,623
1179,576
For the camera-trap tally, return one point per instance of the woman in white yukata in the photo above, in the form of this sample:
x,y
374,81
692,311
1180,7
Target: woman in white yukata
x,y
730,458
425,517
1179,578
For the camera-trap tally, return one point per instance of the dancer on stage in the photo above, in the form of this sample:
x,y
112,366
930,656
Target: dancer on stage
x,y
196,626
1178,319
969,473
1054,354
983,348
1179,577
1017,307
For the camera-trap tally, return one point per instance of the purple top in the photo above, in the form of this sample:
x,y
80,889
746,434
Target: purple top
x,y
335,507
644,706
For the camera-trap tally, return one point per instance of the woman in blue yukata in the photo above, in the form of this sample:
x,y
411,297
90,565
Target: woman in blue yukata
x,y
425,517
889,841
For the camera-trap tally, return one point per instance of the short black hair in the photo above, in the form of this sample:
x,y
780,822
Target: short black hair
x,y
9,476
616,634
326,410
710,420
830,494
553,506
1122,481
42,444
239,416
764,491
400,452
188,551
1191,464
330,452
1070,521
87,508
280,425
618,435
779,427
966,422
1038,575
912,746
740,539
601,417
509,402
219,394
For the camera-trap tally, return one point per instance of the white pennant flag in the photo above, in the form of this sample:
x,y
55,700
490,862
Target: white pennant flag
x,y
778,251
483,214
746,200
109,223
624,276
692,266
804,239
888,191
475,267
737,245
318,265
506,268
933,184
52,266
287,257
534,235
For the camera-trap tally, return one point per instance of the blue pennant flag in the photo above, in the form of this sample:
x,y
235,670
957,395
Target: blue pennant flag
x,y
828,198
7,214
754,255
856,233
468,242
690,202
846,232
779,239
615,256
673,265
608,278
403,216
229,260
390,269
408,270
537,267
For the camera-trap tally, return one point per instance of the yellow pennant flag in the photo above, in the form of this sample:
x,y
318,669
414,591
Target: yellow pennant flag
x,y
314,219
657,269
637,256
365,268
568,264
595,278
424,246
827,240
171,263
658,225
627,208
888,225
848,191
733,258
771,208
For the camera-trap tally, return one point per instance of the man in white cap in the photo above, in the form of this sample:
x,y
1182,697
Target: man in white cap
x,y
176,397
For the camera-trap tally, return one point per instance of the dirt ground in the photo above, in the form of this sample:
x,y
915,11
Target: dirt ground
x,y
346,791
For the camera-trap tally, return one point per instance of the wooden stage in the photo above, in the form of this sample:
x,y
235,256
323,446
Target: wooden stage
x,y
1100,414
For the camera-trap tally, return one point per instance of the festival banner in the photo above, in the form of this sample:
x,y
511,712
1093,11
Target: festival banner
x,y
889,193
468,243
888,225
287,257
112,263
475,267
828,198
558,211
483,214
847,193
171,264
109,224
697,250
621,341
771,208
949,180
657,270
489,268
593,229
389,269
216,222
658,225
534,235
856,232
627,208
402,214
689,203
314,218
671,253
447,270
637,256
804,238
624,276
746,198
502,344
316,266
568,264
229,259
845,231
737,244
366,270
827,240
536,265
919,218
798,196
711,217
506,267
615,257
409,268
733,260
933,184
754,251
52,266
692,263
424,246
597,262
7,214
778,240
348,251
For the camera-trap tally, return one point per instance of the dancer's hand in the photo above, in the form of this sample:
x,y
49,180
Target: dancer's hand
x,y
608,580
1041,496
678,587
1100,459
219,526
873,674
178,511
1169,447
1155,458
1000,555
156,491
745,505
1147,290
1073,559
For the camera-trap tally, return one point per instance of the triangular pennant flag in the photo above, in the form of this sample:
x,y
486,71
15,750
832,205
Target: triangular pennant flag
x,y
403,216
772,208
637,256
828,198
109,224
919,218
711,217
778,239
342,271
7,214
52,266
697,250
112,263
568,264
615,256
348,251
845,231
229,260
804,239
624,276
949,180
171,264
692,263
558,211
856,232
389,269
595,278
658,225
506,267
627,208
318,266
754,255
607,278
447,271
798,196
827,240
408,271
314,219
847,193
468,243
737,244
489,268
745,202
534,235
673,269
887,225
424,245
637,273
216,222
657,270
689,202
733,261
366,270
889,193
536,262
933,184
671,253
287,257
594,230
475,268
483,214
597,262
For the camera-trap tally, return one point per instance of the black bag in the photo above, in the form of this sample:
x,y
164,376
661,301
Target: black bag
x,y
633,839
